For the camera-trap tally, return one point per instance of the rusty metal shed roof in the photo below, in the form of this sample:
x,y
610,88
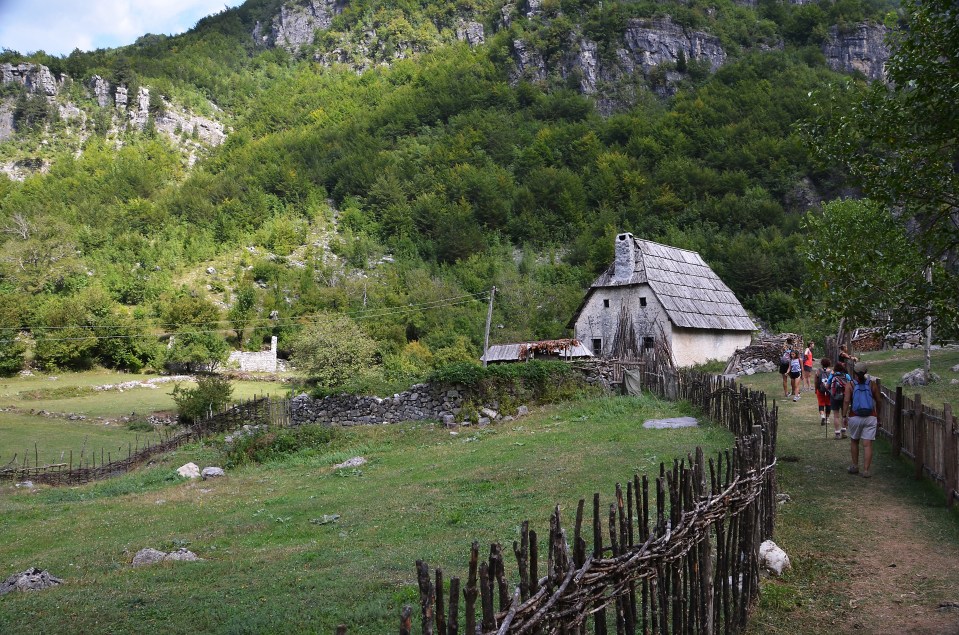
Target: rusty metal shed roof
x,y
563,348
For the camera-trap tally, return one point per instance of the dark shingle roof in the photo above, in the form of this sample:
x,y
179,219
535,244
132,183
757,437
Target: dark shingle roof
x,y
690,292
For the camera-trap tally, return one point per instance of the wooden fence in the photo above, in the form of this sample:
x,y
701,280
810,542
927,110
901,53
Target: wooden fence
x,y
683,548
95,466
926,435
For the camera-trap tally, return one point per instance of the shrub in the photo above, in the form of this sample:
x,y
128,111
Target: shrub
x,y
510,384
332,350
211,394
273,445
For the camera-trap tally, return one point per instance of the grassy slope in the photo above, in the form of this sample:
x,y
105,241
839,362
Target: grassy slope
x,y
71,393
869,556
425,494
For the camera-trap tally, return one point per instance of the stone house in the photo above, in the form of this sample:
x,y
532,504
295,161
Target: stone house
x,y
654,292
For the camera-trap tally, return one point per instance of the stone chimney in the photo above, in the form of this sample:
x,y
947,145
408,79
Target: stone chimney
x,y
625,263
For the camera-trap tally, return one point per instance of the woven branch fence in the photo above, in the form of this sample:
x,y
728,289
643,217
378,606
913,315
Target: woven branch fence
x,y
93,466
675,554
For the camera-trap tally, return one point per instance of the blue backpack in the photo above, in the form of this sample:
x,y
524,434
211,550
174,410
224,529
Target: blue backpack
x,y
862,402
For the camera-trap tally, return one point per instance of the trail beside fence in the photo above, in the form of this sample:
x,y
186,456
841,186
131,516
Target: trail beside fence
x,y
676,553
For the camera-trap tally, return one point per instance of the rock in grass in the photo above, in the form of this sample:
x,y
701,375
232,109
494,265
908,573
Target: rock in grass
x,y
148,556
32,579
190,470
356,461
672,422
212,472
326,519
773,558
153,556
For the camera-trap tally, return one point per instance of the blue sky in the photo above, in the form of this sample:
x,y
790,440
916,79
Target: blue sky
x,y
59,26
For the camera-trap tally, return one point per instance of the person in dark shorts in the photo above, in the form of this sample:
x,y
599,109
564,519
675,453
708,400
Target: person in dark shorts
x,y
784,358
807,363
795,373
837,393
823,398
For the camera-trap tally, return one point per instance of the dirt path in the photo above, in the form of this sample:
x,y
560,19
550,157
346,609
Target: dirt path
x,y
877,555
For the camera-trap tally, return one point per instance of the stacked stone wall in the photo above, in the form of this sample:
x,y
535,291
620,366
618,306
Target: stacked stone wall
x,y
421,402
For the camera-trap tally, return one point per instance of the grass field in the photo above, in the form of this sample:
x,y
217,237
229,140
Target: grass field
x,y
72,393
425,494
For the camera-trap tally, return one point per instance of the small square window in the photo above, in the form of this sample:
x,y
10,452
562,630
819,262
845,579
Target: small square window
x,y
647,343
597,347
606,303
642,301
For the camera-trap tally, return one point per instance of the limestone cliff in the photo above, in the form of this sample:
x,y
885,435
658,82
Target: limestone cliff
x,y
297,23
863,50
192,133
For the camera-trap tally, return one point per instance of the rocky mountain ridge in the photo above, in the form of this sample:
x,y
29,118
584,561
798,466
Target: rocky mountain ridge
x,y
655,50
192,133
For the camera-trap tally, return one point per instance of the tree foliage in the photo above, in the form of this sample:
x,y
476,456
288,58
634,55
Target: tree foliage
x,y
332,350
210,395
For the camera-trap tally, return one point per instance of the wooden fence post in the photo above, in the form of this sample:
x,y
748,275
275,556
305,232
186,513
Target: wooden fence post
x,y
897,424
919,449
951,453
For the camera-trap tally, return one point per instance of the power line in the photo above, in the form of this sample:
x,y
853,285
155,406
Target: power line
x,y
360,314
303,320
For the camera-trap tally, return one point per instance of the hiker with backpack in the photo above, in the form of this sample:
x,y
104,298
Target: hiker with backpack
x,y
861,406
837,395
784,359
823,398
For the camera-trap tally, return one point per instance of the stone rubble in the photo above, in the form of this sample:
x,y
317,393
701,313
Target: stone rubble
x,y
149,555
356,461
32,579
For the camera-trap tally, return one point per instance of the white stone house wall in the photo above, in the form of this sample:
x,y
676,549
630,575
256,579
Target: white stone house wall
x,y
259,362
599,321
695,346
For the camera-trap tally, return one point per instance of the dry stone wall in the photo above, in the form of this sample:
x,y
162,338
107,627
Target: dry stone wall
x,y
420,402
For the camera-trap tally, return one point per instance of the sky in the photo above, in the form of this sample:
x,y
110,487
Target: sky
x,y
59,26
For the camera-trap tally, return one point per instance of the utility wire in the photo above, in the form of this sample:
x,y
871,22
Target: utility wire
x,y
303,320
359,314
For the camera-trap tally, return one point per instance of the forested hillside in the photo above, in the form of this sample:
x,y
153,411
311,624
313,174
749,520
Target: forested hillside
x,y
388,169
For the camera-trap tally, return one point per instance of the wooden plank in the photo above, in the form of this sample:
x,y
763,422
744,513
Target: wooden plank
x,y
919,448
951,452
897,424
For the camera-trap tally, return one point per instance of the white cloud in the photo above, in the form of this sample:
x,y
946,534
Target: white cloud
x,y
59,26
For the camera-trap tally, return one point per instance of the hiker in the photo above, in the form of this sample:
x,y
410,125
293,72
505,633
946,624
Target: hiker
x,y
795,372
807,361
846,358
823,398
784,363
861,408
837,394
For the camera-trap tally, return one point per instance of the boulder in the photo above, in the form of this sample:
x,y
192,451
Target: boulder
x,y
773,558
153,556
356,461
955,368
182,555
918,378
212,472
522,411
190,470
148,556
32,579
489,413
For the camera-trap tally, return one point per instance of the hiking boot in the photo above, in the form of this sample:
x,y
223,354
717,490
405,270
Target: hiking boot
x,y
838,435
843,433
854,469
866,474
822,421
795,397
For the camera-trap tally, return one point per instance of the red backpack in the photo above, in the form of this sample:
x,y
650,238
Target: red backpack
x,y
837,386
